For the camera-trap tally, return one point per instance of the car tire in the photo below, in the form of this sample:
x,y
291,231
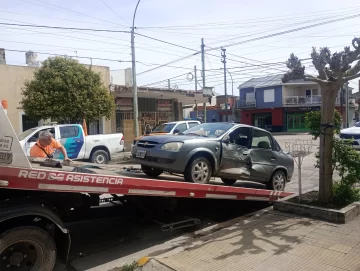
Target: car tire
x,y
30,248
100,157
277,181
152,172
228,181
198,171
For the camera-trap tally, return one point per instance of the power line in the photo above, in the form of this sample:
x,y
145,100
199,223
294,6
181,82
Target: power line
x,y
87,57
60,7
251,20
285,32
47,17
113,11
66,28
169,63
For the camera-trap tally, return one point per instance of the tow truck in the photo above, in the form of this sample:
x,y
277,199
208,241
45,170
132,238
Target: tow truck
x,y
37,195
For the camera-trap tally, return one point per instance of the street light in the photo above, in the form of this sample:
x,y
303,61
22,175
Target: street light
x,y
135,94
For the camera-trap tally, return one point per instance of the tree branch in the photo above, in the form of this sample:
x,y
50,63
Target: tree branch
x,y
351,77
354,70
308,77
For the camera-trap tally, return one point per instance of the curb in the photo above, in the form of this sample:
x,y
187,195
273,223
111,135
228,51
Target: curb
x,y
150,263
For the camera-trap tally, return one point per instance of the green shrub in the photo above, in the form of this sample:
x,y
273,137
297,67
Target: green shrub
x,y
313,122
345,159
344,194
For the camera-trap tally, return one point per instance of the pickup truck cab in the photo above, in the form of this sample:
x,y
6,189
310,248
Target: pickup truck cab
x,y
96,148
170,128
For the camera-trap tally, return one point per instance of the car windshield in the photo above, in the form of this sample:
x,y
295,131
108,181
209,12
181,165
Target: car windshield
x,y
209,129
357,124
164,128
25,134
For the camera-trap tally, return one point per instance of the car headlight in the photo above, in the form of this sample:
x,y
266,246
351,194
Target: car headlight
x,y
172,146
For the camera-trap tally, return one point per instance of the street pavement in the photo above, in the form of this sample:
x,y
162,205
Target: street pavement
x,y
269,241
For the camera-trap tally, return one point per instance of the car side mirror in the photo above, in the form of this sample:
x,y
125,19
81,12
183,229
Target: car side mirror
x,y
176,131
32,139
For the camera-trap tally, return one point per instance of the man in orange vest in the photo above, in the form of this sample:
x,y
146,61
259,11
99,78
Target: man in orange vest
x,y
46,145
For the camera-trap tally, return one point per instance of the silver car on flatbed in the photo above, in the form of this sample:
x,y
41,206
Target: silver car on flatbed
x,y
227,150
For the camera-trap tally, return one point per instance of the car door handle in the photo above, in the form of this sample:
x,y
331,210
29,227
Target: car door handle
x,y
77,141
273,158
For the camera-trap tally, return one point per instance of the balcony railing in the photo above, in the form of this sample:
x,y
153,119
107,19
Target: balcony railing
x,y
249,103
302,100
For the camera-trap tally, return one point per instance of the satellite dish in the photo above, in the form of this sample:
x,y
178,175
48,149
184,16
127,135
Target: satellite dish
x,y
190,77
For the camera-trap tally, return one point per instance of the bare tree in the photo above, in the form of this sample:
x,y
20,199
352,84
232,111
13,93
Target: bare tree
x,y
333,71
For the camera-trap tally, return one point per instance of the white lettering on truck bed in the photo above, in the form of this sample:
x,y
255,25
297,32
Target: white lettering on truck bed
x,y
69,177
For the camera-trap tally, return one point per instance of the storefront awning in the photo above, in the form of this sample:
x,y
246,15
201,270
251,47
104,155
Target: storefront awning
x,y
186,97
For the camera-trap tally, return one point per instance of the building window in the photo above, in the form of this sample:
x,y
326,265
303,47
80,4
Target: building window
x,y
269,95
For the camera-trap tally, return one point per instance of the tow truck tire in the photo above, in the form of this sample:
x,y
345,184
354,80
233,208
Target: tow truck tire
x,y
198,171
152,172
100,157
30,248
228,181
277,181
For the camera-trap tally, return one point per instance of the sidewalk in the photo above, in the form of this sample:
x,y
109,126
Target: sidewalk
x,y
269,241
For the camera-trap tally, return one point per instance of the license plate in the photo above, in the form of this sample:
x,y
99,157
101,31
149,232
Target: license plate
x,y
140,154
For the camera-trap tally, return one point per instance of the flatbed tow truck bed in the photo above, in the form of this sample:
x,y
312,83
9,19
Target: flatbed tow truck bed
x,y
36,196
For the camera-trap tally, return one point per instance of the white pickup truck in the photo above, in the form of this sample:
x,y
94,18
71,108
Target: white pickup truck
x,y
96,148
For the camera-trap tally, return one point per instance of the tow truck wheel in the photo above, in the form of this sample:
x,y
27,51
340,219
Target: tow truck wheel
x,y
198,171
228,181
152,172
277,181
100,157
27,248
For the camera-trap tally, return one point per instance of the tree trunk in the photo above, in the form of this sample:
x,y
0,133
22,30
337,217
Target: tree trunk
x,y
328,97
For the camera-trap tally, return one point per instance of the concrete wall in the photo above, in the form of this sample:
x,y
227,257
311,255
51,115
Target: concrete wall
x,y
12,78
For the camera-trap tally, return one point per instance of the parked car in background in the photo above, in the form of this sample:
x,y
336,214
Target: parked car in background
x,y
96,148
173,127
227,150
352,133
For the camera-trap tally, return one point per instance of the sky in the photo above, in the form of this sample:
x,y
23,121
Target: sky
x,y
252,32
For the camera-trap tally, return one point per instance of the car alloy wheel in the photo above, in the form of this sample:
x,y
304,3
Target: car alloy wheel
x,y
278,181
200,172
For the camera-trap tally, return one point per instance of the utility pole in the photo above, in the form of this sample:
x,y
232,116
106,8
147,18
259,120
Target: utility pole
x,y
223,55
169,84
195,78
347,104
203,72
203,61
133,62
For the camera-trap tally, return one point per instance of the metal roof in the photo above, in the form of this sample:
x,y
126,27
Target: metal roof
x,y
267,81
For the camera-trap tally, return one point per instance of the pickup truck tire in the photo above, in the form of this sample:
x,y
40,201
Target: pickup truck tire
x,y
277,181
27,248
198,171
152,172
228,181
100,157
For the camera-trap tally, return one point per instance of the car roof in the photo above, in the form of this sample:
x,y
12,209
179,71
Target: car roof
x,y
239,125
181,121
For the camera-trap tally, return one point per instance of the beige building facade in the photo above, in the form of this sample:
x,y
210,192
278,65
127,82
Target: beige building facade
x,y
12,78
